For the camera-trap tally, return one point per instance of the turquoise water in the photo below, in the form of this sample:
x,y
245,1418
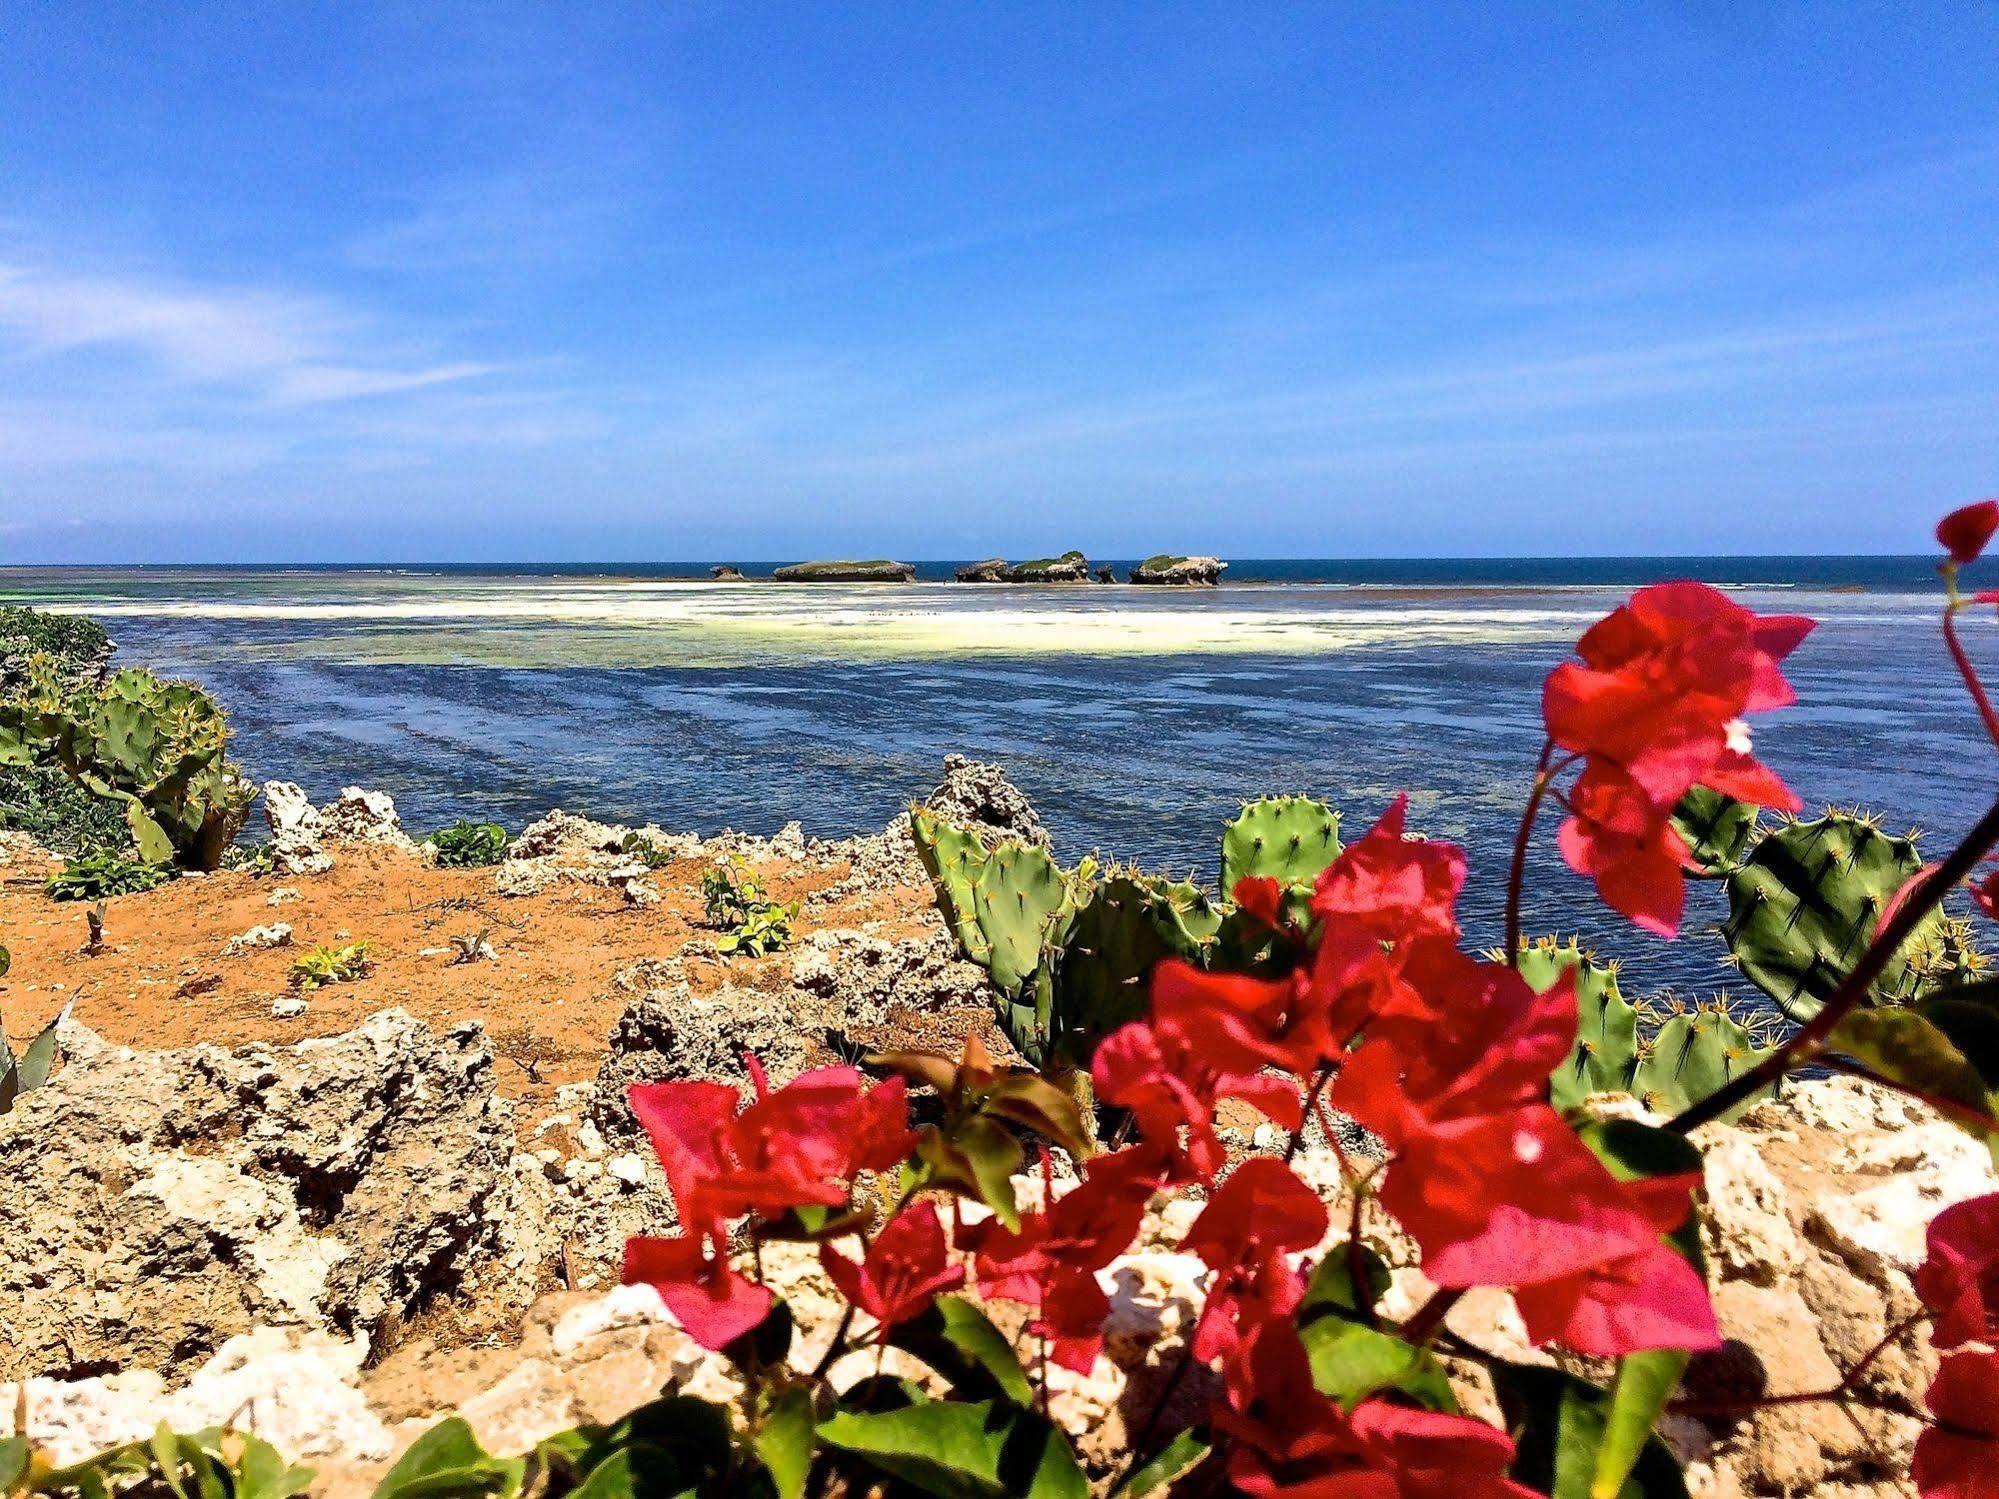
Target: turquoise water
x,y
1135,718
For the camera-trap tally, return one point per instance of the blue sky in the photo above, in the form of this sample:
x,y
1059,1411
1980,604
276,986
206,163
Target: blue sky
x,y
352,282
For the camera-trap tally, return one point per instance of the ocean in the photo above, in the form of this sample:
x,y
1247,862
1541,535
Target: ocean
x,y
1136,719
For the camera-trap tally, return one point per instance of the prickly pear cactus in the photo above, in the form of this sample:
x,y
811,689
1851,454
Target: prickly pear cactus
x,y
1718,831
1804,905
1606,1050
1125,927
953,857
157,746
1694,1054
1289,839
1015,901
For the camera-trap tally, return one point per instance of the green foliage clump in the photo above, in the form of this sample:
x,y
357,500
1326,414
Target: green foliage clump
x,y
73,642
102,874
249,858
155,747
217,1463
321,965
59,814
737,904
469,845
646,848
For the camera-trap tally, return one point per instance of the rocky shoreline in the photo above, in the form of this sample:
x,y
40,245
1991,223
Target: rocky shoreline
x,y
363,1231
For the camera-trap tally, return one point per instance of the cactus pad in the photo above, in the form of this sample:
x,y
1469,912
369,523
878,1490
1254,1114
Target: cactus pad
x,y
1694,1055
1123,928
1606,1049
1718,830
1804,905
1289,839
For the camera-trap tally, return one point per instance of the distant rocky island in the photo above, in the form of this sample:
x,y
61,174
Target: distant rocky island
x,y
1070,567
878,570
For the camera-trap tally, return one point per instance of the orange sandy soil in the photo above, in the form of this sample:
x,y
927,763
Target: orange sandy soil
x,y
546,1000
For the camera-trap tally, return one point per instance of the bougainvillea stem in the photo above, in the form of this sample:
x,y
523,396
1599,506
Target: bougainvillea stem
x,y
1517,876
1969,672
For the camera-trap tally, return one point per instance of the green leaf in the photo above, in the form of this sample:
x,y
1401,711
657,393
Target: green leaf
x,y
1631,1151
447,1462
6,962
960,1342
39,1060
669,1446
957,1451
166,1453
1559,1427
978,1158
13,1462
1907,1046
1645,1382
1351,1362
1175,1461
1331,1289
784,1442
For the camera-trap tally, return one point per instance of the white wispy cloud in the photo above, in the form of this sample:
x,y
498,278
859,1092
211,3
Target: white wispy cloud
x,y
288,348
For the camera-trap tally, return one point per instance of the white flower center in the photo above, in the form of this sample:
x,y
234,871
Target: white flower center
x,y
1738,736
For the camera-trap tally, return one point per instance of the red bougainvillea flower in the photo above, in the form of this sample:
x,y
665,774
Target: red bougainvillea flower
x,y
1261,899
1489,1052
1261,1214
800,1144
1051,1261
1656,706
1169,1081
1959,1282
1965,531
1958,1458
1395,888
1985,894
712,1302
1291,1442
1513,1199
904,1270
1618,837
1652,1299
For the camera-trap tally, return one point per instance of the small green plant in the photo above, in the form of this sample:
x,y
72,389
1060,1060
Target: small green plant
x,y
249,858
102,874
218,1463
646,848
766,929
321,965
731,890
468,845
472,947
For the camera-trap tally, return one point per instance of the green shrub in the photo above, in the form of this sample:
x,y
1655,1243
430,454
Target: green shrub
x,y
44,803
72,641
646,848
321,965
249,858
765,929
730,890
103,873
466,845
